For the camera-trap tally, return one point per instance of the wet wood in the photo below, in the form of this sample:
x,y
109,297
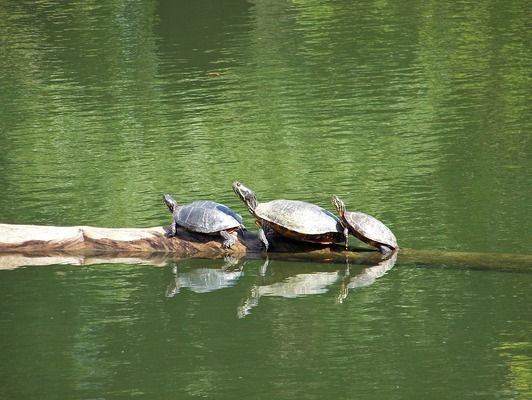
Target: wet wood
x,y
82,245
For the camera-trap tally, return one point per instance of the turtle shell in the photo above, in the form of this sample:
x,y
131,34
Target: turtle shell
x,y
207,217
300,220
369,229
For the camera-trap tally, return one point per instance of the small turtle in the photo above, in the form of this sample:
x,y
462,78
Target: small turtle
x,y
365,227
204,216
293,219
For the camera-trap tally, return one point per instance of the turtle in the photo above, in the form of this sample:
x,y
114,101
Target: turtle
x,y
292,219
366,228
204,216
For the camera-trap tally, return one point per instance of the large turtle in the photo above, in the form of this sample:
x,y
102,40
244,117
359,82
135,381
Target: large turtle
x,y
293,219
205,217
365,227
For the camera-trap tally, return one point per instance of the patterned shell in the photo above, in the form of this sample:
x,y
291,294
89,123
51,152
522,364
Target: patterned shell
x,y
299,216
206,217
370,228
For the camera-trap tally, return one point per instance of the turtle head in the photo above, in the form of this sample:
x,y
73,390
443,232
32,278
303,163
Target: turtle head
x,y
338,204
170,202
246,195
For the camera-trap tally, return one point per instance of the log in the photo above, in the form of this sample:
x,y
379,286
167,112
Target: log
x,y
81,245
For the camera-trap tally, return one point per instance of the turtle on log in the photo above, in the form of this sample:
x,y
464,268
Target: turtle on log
x,y
366,228
206,217
292,219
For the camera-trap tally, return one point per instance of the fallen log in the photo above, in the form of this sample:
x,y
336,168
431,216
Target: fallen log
x,y
92,240
46,245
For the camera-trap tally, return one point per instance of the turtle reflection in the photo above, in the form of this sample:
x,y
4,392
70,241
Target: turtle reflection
x,y
292,282
280,284
364,277
206,279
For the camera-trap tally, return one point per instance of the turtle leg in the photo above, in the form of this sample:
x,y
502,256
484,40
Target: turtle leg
x,y
263,238
229,239
172,230
346,234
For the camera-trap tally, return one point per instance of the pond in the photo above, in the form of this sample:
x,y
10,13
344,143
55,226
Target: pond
x,y
417,113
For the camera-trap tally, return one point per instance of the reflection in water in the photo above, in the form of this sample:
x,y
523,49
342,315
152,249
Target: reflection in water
x,y
206,279
107,331
287,281
365,277
290,287
311,283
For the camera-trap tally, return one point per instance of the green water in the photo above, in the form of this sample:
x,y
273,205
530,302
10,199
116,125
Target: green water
x,y
416,112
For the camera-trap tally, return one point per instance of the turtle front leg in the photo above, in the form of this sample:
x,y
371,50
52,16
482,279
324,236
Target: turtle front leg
x,y
229,239
172,230
263,238
346,234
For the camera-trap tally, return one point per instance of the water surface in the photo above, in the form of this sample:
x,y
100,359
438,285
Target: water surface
x,y
418,113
